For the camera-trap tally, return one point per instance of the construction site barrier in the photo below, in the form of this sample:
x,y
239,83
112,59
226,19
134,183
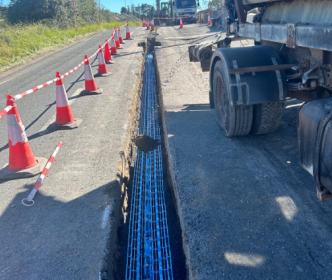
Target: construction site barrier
x,y
22,162
29,200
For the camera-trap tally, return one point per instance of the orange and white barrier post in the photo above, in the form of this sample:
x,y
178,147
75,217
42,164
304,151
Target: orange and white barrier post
x,y
181,24
120,36
90,83
102,69
29,200
22,162
107,53
209,19
113,46
128,36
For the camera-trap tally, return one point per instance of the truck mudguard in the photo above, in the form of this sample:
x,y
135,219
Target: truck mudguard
x,y
254,87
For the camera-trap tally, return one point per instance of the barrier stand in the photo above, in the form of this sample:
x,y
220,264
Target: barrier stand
x,y
209,19
128,36
107,53
116,38
64,115
113,46
90,83
22,162
181,24
102,69
29,200
120,36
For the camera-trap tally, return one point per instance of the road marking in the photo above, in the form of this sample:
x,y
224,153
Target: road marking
x,y
106,214
52,120
6,81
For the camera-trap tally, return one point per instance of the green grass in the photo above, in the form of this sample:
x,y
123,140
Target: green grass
x,y
20,42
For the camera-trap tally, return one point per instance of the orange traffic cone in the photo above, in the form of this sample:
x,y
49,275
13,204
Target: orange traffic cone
x,y
113,46
181,24
116,38
209,19
147,25
64,115
90,83
107,54
127,32
120,36
102,69
144,24
22,162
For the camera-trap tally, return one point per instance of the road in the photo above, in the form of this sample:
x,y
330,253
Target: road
x,y
247,208
68,233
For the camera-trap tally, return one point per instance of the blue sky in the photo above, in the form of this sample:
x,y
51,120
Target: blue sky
x,y
112,5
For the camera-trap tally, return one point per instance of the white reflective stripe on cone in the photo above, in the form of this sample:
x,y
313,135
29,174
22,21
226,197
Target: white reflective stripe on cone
x,y
116,35
16,132
112,43
61,97
87,72
101,59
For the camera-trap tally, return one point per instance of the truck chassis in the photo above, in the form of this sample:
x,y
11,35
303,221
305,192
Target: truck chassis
x,y
292,57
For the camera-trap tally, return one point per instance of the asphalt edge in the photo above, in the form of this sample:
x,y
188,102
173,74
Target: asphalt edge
x,y
170,171
109,261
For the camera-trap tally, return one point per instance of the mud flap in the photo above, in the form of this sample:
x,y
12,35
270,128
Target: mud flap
x,y
315,138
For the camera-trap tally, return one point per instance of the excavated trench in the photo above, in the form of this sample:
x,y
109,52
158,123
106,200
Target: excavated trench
x,y
149,236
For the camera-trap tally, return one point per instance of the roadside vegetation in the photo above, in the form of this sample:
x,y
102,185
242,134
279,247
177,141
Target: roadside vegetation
x,y
30,27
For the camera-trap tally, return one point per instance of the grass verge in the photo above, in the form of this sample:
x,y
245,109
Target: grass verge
x,y
20,42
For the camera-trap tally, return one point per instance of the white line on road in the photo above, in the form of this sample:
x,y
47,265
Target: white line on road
x,y
106,214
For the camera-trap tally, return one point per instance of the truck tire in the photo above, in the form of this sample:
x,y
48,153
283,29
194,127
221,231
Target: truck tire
x,y
233,120
266,117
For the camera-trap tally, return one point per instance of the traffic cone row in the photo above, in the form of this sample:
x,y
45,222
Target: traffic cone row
x,y
22,162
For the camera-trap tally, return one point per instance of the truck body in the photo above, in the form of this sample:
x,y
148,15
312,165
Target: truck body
x,y
186,9
291,58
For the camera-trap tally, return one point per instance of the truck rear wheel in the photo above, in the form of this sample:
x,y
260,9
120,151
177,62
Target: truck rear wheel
x,y
266,117
233,120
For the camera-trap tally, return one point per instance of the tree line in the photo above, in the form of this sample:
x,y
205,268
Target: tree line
x,y
140,11
60,13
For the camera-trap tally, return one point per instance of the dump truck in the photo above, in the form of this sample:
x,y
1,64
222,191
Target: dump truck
x,y
186,9
291,58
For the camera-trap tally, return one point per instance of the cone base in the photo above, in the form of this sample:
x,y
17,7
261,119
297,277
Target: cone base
x,y
109,62
97,91
102,75
6,174
56,126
